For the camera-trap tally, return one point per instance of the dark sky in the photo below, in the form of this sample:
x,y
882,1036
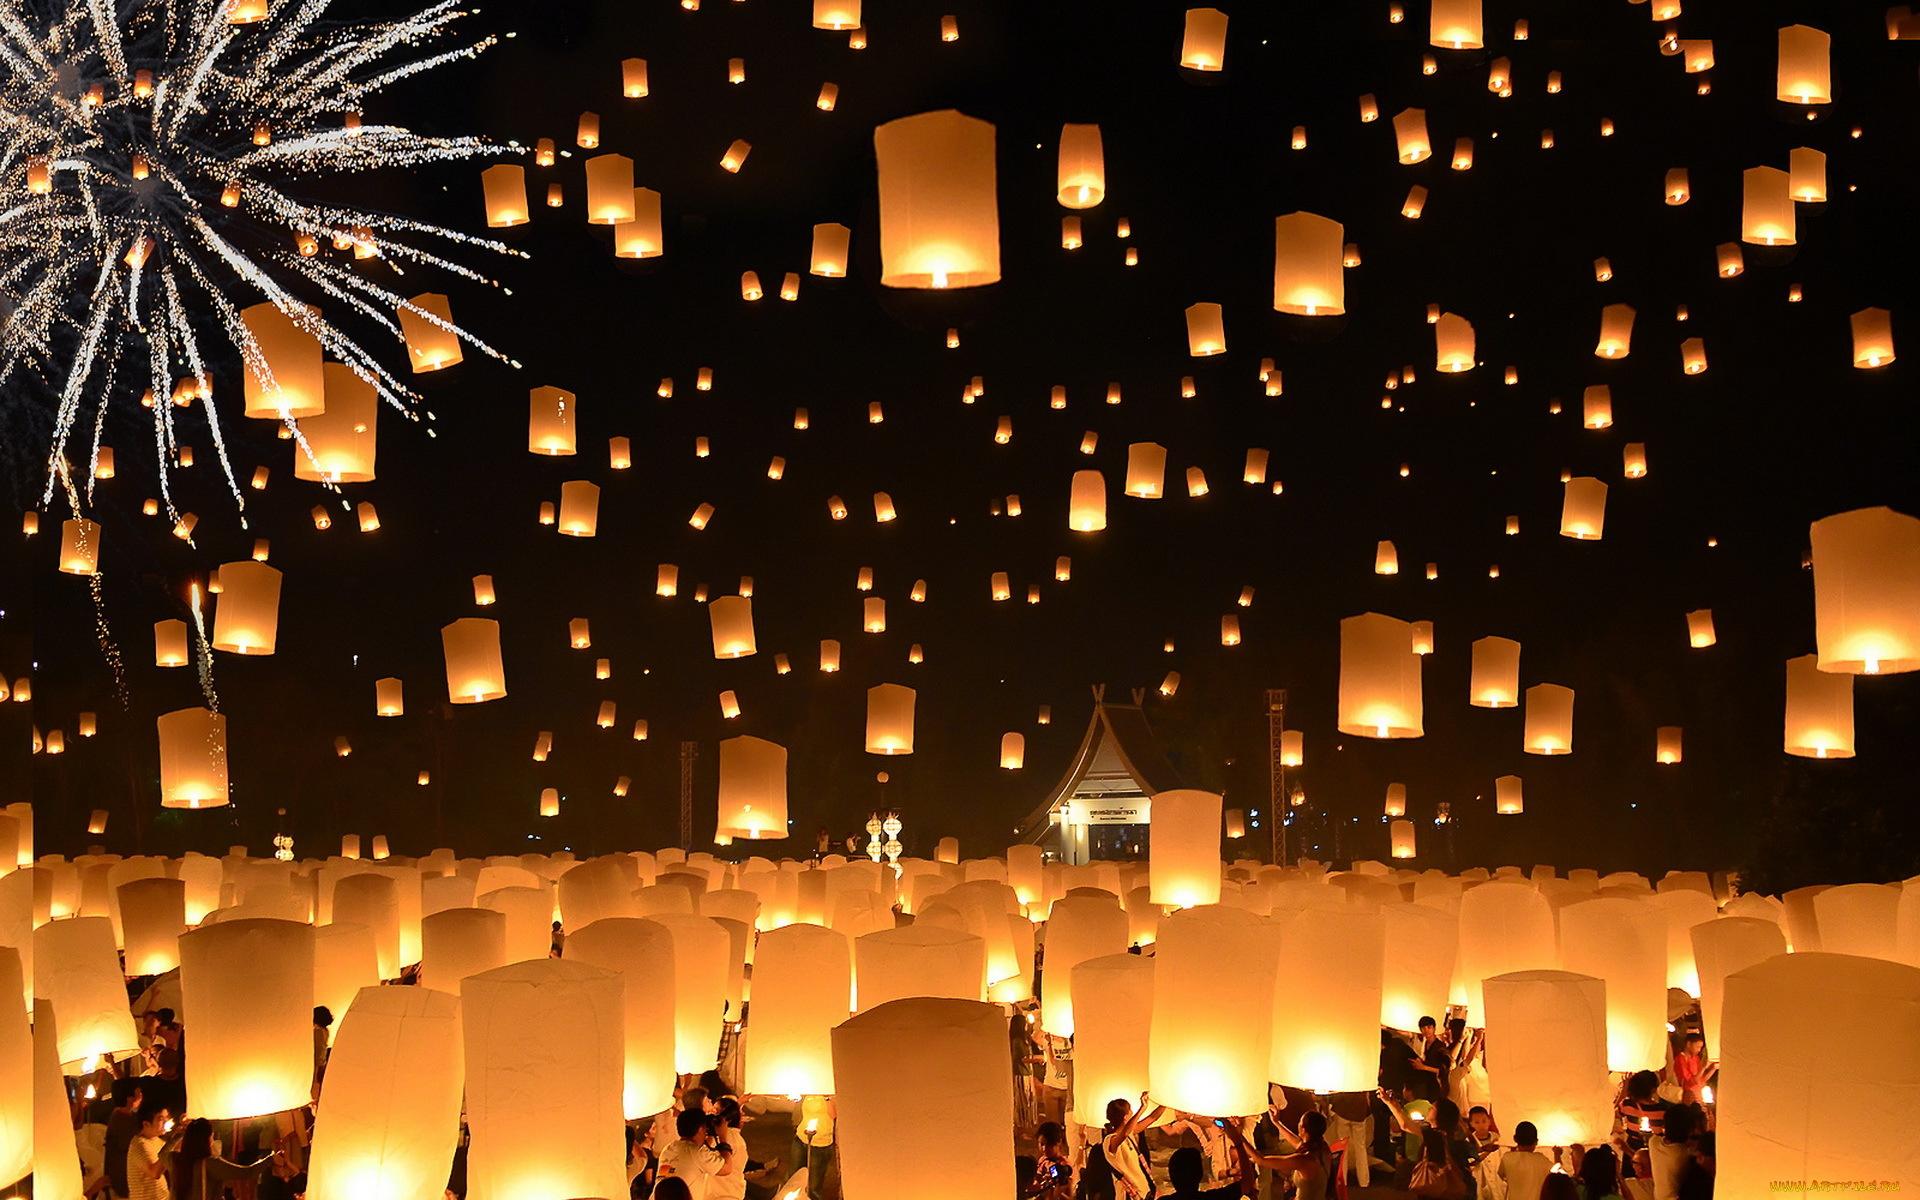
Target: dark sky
x,y
1780,430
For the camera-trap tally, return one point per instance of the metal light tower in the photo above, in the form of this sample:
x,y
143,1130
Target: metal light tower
x,y
1277,799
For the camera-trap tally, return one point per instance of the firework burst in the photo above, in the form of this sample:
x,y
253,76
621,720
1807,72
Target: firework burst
x,y
154,156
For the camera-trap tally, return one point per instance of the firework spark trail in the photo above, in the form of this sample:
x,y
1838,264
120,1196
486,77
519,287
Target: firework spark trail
x,y
153,156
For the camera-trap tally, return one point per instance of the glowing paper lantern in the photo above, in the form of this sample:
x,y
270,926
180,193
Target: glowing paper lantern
x,y
918,960
1722,947
551,417
1184,851
1326,1015
1872,337
955,1046
1700,628
1807,175
1456,24
1111,1024
1866,591
1549,722
1204,44
1859,918
193,759
249,987
1508,799
753,788
542,1045
889,718
1616,331
609,189
290,358
1083,172
1805,74
153,915
247,619
393,1097
504,186
169,643
1768,1127
1307,274
641,237
1766,213
939,220
471,647
1624,943
1410,135
1504,927
1496,673
1087,507
1204,1054
641,952
1146,470
732,621
17,1097
1386,560
836,14
426,323
1666,744
801,980
829,256
1379,678
1079,929
1547,1052
458,942
79,547
1693,355
1420,945
1013,751
342,443
77,968
701,949
1453,344
1401,839
1583,509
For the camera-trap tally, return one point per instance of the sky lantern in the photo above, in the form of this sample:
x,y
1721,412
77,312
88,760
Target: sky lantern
x,y
1205,1054
1596,407
587,131
919,960
641,236
1633,460
293,358
1386,560
504,186
1453,344
1456,25
343,441
388,698
1308,278
170,643
1666,744
1616,331
1185,848
1379,678
193,758
393,1090
247,618
802,978
1700,628
1623,942
1806,70
1728,260
1807,175
873,614
1206,330
79,546
639,950
552,414
77,968
1766,1132
633,78
1326,1013
1508,799
1872,337
17,1097
249,986
471,646
939,214
666,580
830,243
543,1064
732,621
1229,630
1083,168
1549,720
579,508
1110,1024
1583,509
426,322
753,788
889,717
1721,947
836,14
1400,837
1866,591
829,655
1013,751
1693,356
1678,189
1146,470
1204,46
1766,211
1547,1053
1396,804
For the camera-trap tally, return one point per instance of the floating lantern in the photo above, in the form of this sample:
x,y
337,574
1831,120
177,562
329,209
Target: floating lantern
x,y
802,976
1386,560
829,96
292,357
1547,1053
830,250
889,716
1013,751
393,1091
1083,173
1379,678
873,614
1634,460
579,508
729,705
1549,720
667,580
1146,470
829,655
247,619
1110,1024
633,78
1806,71
342,442
79,546
1369,109
77,969
1229,630
1204,1054
1678,191
1185,848
587,132
1401,839
642,236
1204,46
1866,591
750,285
1766,213
753,789
458,942
736,155
1456,25
1872,337
1462,154
1693,356
426,323
1206,330
836,14
249,986
1616,331
551,417
939,220
1583,509
193,758
471,646
732,621
1396,805
1292,747
1807,175
1453,343
1170,684
1326,1014
544,1073
1623,942
1720,948
1508,799
1410,135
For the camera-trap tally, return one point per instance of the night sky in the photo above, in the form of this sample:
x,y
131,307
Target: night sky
x,y
1779,431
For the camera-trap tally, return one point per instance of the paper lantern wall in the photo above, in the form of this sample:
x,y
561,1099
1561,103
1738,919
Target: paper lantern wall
x,y
471,647
393,1097
1769,1126
1204,1055
641,952
802,977
753,788
193,759
1819,721
892,1138
939,215
1547,1053
1379,678
249,987
1866,591
1326,1027
1111,1026
542,1050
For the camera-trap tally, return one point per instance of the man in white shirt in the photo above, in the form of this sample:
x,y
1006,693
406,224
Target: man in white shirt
x,y
693,1157
146,1168
1524,1168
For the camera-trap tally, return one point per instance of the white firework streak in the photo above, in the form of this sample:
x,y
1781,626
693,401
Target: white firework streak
x,y
102,263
